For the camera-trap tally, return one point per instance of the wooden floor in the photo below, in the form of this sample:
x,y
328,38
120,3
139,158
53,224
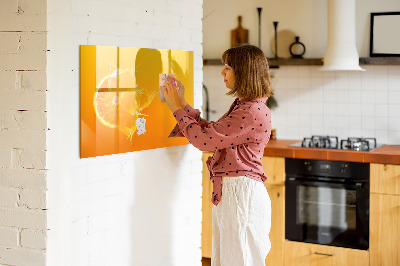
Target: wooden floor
x,y
206,261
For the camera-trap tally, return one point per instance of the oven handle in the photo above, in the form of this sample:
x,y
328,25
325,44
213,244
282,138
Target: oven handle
x,y
357,185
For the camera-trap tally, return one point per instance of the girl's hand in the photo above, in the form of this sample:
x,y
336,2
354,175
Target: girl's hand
x,y
172,95
181,92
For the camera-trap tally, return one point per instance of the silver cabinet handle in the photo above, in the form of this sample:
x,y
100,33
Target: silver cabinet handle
x,y
324,254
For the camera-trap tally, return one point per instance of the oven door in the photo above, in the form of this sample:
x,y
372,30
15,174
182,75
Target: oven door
x,y
327,213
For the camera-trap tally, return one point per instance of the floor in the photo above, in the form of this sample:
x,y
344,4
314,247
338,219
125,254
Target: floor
x,y
206,261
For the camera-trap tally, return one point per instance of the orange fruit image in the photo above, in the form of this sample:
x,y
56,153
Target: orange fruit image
x,y
116,107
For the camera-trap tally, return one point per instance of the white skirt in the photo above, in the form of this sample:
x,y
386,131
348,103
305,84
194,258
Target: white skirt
x,y
241,223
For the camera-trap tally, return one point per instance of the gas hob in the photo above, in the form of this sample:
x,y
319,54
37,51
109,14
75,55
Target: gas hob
x,y
332,142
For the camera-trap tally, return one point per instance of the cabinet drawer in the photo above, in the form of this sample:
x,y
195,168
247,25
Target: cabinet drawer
x,y
297,254
385,178
274,168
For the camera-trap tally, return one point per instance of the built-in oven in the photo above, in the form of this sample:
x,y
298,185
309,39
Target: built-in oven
x,y
327,202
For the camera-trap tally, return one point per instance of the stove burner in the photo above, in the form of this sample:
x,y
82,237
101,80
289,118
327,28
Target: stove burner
x,y
328,142
358,144
332,142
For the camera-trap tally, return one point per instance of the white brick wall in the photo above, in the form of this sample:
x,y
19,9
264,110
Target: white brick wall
x,y
140,208
23,132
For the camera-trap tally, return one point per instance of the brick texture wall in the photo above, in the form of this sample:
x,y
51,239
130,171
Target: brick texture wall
x,y
23,126
141,208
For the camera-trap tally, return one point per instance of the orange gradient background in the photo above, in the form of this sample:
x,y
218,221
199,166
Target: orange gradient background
x,y
120,85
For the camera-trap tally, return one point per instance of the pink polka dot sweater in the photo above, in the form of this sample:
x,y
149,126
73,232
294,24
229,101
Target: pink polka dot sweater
x,y
238,139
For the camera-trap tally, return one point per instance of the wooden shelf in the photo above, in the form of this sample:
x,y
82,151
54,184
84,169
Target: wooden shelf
x,y
273,63
380,61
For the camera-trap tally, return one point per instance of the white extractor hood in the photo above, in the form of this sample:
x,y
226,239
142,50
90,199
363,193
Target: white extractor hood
x,y
341,51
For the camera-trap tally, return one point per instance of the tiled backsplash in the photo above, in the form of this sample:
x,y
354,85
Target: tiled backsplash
x,y
314,102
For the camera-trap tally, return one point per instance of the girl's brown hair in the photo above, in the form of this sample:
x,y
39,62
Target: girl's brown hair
x,y
250,66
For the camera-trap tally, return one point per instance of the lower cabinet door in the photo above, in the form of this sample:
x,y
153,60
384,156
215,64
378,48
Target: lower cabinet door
x,y
298,254
277,233
384,238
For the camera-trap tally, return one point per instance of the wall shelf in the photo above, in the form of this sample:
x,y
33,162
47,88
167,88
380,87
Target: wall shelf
x,y
274,63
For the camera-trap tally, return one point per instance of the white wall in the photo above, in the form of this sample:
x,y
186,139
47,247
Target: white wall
x,y
311,102
23,133
140,208
306,19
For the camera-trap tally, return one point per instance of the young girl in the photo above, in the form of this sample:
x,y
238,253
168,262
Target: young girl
x,y
242,209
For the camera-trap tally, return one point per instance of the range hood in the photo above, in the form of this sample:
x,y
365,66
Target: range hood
x,y
341,51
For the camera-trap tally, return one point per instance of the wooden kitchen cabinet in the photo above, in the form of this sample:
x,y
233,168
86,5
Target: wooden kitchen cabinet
x,y
274,168
385,178
305,254
385,215
277,233
206,225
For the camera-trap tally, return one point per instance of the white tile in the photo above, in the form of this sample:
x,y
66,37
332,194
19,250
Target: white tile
x,y
394,70
394,97
380,71
381,97
331,131
367,122
394,110
317,131
316,82
342,81
329,94
329,109
342,109
367,133
293,120
355,96
328,74
381,84
354,74
355,132
382,110
278,72
382,136
304,72
394,83
367,83
317,121
292,83
304,109
342,122
329,122
367,96
368,110
291,71
381,123
394,137
342,96
278,83
354,84
342,133
303,82
316,72
317,95
355,122
394,123
355,109
317,107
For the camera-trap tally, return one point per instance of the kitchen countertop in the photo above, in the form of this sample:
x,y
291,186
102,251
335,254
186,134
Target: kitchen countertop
x,y
389,154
